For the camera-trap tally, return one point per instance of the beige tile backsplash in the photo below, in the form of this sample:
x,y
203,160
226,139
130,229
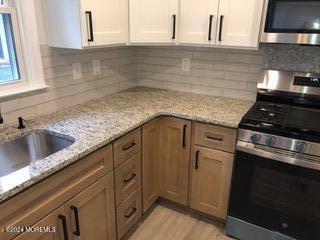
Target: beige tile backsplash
x,y
219,72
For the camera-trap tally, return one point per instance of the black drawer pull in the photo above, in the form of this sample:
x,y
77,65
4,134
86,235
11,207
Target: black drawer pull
x,y
184,137
174,27
210,27
64,225
196,166
128,146
90,38
131,213
220,28
133,175
76,218
215,137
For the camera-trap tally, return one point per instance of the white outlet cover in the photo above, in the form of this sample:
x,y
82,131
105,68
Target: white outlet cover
x,y
96,67
186,64
77,72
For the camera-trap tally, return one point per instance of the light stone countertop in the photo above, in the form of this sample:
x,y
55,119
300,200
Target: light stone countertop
x,y
99,122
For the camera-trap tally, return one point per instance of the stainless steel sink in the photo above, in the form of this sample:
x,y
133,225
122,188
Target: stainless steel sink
x,y
23,151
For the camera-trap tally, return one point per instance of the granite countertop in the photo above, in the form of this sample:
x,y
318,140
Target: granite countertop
x,y
99,122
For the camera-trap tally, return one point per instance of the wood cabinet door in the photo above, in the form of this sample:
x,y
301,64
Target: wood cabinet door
x,y
91,214
53,224
240,22
211,177
108,21
198,21
153,21
150,160
174,159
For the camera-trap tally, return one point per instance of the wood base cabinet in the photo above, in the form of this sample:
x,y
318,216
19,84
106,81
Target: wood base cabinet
x,y
56,221
89,215
174,159
211,177
150,162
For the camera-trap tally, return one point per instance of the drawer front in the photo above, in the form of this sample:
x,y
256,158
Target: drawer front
x,y
128,177
129,212
127,146
215,137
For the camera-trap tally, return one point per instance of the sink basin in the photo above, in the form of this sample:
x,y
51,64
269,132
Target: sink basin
x,y
21,152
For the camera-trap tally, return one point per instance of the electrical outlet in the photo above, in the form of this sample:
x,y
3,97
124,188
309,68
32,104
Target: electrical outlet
x,y
186,64
77,72
96,67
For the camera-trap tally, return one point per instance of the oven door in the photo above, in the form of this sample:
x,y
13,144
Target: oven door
x,y
292,21
277,196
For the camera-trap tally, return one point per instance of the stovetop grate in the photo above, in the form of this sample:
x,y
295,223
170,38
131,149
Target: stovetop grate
x,y
269,113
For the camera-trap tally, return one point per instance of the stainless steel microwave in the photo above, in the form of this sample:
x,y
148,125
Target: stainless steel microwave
x,y
291,21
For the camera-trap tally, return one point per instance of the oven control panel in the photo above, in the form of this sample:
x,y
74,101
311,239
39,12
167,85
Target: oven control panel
x,y
274,141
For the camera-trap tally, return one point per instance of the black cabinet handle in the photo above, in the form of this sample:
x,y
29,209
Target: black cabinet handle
x,y
131,213
64,225
128,146
184,137
90,38
215,137
210,27
220,28
76,218
133,175
174,26
196,166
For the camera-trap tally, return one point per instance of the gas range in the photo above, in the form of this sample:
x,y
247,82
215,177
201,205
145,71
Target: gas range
x,y
275,190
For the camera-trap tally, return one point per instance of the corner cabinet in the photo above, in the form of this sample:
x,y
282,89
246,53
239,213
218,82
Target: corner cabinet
x,y
153,21
224,23
174,159
150,162
86,23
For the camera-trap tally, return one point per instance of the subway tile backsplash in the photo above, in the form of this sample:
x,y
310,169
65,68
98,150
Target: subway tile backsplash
x,y
218,72
213,71
118,72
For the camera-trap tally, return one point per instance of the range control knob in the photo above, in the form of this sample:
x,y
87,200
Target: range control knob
x,y
301,147
270,141
255,137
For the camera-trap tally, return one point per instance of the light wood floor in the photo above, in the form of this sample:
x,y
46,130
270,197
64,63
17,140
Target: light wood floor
x,y
167,224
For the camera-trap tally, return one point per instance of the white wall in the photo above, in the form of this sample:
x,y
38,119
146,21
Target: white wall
x,y
41,21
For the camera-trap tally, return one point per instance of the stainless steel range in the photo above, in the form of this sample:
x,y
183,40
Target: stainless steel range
x,y
276,177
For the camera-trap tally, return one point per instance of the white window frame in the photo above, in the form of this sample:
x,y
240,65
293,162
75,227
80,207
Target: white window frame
x,y
28,51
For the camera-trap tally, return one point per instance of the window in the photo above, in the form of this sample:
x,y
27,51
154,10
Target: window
x,y
9,64
20,58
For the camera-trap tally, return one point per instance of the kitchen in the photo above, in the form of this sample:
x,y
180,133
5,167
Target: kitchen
x,y
148,119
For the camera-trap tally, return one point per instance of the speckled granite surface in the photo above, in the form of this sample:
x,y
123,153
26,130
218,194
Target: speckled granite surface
x,y
101,121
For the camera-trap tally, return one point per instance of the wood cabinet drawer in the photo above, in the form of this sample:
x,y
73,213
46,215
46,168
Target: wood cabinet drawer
x,y
129,212
128,177
215,137
127,146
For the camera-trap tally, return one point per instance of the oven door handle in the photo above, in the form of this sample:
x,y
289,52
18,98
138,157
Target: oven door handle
x,y
251,149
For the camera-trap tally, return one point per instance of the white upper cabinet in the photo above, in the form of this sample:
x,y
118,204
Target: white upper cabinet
x,y
239,23
87,23
198,21
154,21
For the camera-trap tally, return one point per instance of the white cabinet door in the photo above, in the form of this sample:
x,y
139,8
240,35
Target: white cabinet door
x,y
108,23
198,21
239,22
153,21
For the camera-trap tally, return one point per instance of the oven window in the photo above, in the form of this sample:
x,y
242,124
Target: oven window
x,y
277,196
290,16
